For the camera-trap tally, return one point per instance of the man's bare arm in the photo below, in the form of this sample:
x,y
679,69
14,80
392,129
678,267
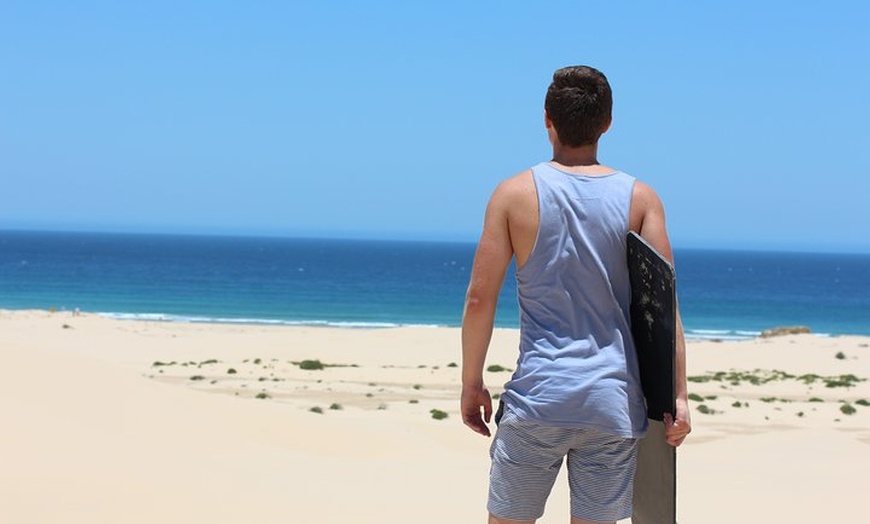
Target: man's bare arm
x,y
491,261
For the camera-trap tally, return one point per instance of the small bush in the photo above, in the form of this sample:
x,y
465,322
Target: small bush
x,y
737,404
703,408
197,377
496,368
207,362
316,409
863,402
848,409
437,414
314,365
231,371
840,356
335,407
843,381
452,365
262,395
418,386
696,397
816,399
413,401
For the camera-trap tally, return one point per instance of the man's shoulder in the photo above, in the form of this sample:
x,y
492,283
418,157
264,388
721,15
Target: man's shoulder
x,y
644,192
516,185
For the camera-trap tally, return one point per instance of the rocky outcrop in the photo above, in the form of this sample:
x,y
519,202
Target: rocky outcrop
x,y
784,330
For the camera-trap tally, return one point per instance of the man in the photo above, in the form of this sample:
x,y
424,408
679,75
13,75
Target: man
x,y
576,391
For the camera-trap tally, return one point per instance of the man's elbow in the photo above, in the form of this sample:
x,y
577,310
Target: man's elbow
x,y
478,303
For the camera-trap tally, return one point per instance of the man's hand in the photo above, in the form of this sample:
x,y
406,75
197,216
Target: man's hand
x,y
475,399
677,430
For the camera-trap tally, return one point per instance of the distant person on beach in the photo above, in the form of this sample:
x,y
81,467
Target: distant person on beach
x,y
576,391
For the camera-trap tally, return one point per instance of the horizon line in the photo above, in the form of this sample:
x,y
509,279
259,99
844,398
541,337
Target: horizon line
x,y
394,236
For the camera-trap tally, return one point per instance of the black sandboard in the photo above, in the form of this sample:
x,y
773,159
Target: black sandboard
x,y
654,328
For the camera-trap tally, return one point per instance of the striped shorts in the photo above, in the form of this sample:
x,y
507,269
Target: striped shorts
x,y
526,458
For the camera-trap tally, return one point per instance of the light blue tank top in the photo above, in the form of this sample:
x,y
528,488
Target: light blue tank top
x,y
577,365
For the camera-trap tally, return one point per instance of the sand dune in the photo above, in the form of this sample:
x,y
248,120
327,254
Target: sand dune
x,y
132,421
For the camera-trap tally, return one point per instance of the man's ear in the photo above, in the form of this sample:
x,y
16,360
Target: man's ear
x,y
552,136
607,127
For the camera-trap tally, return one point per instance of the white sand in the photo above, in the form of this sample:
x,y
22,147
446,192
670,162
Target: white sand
x,y
93,432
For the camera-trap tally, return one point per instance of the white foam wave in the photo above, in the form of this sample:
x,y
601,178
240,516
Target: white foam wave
x,y
720,334
162,317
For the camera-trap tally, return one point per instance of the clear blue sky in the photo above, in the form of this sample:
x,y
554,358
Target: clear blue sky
x,y
398,119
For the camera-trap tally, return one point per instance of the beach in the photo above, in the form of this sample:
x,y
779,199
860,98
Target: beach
x,y
108,420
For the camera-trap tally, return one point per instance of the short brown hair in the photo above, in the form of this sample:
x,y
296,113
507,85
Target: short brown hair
x,y
579,104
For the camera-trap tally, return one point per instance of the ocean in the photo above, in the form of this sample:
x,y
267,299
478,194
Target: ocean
x,y
371,284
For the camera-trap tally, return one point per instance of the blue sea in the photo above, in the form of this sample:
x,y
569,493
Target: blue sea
x,y
357,283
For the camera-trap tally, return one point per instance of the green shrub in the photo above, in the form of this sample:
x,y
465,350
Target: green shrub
x,y
316,409
311,365
848,409
335,407
262,395
231,371
496,368
197,377
843,381
437,414
696,397
863,402
840,356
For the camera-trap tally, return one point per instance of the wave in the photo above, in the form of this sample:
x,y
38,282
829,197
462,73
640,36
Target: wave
x,y
162,317
720,334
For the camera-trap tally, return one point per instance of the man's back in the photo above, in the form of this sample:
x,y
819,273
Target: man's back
x,y
519,198
521,203
577,366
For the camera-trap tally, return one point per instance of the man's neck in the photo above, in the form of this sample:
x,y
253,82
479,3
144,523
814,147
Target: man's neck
x,y
576,156
581,160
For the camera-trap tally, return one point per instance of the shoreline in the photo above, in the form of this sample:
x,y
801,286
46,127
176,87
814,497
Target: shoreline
x,y
108,424
709,335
